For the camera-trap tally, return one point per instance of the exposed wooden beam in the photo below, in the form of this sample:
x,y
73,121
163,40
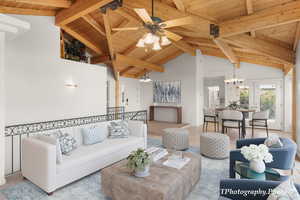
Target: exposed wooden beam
x,y
287,69
126,70
117,90
168,12
185,47
250,10
126,13
26,11
138,63
267,18
87,42
100,59
110,44
89,19
227,50
179,5
50,3
78,9
297,37
263,47
243,57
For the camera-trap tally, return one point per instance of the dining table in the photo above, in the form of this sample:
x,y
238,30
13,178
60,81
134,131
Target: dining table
x,y
244,111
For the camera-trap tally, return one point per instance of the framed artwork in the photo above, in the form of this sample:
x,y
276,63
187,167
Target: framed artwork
x,y
167,92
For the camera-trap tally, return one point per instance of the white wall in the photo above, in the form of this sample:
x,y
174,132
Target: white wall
x,y
184,69
132,92
190,70
36,76
2,109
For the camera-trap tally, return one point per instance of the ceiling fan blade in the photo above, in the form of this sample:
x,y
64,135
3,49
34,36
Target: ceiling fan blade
x,y
126,29
178,22
143,14
172,35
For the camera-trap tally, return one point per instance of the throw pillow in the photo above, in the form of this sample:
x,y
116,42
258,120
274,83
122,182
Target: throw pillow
x,y
284,191
67,142
94,134
273,142
118,129
52,139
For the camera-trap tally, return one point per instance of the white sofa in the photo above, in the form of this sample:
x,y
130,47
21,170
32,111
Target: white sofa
x,y
39,158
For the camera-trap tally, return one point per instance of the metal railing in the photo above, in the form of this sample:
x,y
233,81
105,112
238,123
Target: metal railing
x,y
15,133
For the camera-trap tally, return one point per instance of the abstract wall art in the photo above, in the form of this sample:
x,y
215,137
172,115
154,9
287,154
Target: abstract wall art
x,y
167,92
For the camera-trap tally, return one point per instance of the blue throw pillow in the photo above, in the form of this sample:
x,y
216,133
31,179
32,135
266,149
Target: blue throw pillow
x,y
93,135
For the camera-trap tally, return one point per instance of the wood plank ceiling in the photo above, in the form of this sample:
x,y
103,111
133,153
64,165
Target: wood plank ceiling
x,y
264,32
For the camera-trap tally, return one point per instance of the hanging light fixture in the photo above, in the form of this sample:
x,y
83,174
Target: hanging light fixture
x,y
145,78
165,41
234,80
155,38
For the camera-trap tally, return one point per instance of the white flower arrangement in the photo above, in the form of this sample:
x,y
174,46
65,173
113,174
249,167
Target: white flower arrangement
x,y
254,152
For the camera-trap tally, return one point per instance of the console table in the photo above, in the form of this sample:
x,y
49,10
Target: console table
x,y
177,108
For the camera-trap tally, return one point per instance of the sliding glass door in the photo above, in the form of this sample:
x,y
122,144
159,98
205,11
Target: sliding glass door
x,y
264,95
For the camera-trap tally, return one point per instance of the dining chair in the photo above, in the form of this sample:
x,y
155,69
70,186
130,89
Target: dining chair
x,y
232,119
210,116
260,119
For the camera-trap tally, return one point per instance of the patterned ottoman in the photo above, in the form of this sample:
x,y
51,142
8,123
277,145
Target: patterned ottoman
x,y
214,145
175,138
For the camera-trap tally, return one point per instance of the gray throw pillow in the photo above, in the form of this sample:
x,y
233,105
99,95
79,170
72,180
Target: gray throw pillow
x,y
67,142
118,129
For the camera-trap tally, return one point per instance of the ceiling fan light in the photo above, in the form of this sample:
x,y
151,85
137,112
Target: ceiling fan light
x,y
165,41
156,46
149,39
141,43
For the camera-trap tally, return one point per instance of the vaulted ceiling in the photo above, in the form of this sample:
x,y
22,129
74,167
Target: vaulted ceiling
x,y
264,32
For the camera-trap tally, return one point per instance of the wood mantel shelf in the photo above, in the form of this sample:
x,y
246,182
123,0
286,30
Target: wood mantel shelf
x,y
177,108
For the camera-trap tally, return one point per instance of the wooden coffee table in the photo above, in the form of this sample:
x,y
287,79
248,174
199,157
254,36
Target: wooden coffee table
x,y
164,183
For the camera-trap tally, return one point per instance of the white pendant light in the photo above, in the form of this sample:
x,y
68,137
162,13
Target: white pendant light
x,y
141,43
156,46
149,39
165,41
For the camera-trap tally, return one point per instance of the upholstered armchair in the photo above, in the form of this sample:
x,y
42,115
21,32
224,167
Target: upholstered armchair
x,y
248,189
283,157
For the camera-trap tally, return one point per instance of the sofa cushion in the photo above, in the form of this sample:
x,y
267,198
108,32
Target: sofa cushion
x,y
87,153
95,134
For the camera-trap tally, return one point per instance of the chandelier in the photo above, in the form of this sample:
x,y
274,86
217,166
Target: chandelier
x,y
234,80
145,78
153,41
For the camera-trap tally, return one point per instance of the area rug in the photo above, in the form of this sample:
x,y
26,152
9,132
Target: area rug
x,y
89,188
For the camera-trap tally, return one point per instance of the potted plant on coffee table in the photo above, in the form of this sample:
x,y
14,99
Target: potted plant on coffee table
x,y
139,162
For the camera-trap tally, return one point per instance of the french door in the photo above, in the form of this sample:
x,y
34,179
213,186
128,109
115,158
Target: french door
x,y
264,95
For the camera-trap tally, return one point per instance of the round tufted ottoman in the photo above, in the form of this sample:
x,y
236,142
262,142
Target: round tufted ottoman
x,y
175,138
214,145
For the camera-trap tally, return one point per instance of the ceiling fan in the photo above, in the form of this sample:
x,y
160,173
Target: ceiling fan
x,y
157,27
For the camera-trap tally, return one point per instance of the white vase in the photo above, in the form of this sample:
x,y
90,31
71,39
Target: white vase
x,y
142,173
258,166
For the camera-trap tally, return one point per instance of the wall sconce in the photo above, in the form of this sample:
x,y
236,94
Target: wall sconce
x,y
71,85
